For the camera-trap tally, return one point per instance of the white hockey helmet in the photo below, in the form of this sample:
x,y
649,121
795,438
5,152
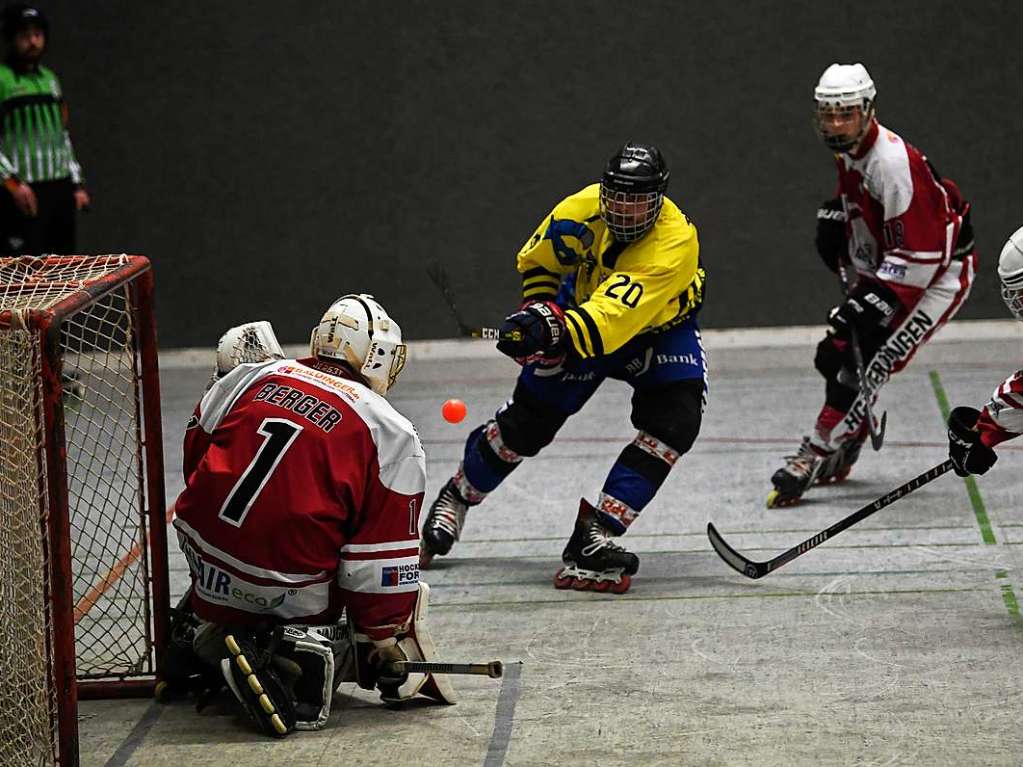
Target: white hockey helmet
x,y
1010,273
844,105
251,342
356,329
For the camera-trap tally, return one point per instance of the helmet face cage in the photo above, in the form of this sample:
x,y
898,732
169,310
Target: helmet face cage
x,y
1013,298
629,215
827,112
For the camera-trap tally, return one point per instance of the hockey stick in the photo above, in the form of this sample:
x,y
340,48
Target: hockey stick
x,y
494,669
754,570
440,278
876,435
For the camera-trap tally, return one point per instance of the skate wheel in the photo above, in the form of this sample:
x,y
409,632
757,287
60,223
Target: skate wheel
x,y
602,586
622,586
162,691
580,584
562,583
775,500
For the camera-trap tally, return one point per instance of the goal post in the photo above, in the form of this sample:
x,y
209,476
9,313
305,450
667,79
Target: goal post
x,y
84,592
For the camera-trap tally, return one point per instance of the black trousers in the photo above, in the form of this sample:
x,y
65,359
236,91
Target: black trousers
x,y
51,230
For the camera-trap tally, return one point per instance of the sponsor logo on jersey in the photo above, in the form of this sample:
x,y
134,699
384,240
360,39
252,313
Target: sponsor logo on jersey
x,y
676,359
400,575
895,271
900,346
217,585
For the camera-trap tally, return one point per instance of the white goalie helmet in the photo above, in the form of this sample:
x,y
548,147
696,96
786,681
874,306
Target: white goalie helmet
x,y
356,329
844,105
1010,273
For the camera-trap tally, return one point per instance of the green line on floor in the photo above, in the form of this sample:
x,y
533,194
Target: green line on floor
x,y
971,484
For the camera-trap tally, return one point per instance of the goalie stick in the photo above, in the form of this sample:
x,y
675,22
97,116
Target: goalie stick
x,y
440,278
494,669
755,570
876,434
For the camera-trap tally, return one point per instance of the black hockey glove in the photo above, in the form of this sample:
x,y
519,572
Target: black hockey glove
x,y
831,240
969,455
868,309
534,333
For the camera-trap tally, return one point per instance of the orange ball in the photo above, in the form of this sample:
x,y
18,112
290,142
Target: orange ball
x,y
453,410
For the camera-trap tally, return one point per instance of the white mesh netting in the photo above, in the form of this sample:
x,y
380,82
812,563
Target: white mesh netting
x,y
105,480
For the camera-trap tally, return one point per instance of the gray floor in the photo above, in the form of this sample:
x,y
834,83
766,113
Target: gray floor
x,y
897,643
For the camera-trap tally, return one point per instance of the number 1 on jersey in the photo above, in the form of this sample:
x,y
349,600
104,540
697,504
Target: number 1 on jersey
x,y
279,435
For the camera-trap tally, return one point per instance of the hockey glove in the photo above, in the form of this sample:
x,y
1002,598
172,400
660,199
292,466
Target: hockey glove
x,y
831,239
868,309
535,333
969,455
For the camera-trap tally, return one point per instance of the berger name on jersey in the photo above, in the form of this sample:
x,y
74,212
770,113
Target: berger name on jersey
x,y
313,409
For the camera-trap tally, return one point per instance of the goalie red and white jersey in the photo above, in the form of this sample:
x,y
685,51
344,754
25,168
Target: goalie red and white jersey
x,y
303,492
903,223
1002,416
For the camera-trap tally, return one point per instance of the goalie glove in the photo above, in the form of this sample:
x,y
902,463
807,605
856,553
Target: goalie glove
x,y
535,333
251,342
969,455
375,659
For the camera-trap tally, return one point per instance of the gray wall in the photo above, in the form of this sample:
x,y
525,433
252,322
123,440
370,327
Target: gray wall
x,y
270,159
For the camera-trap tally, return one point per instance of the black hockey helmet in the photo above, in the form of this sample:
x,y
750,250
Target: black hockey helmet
x,y
19,16
632,190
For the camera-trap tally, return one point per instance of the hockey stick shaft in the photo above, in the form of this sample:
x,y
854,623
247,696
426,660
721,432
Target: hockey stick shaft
x,y
494,669
440,278
754,570
876,433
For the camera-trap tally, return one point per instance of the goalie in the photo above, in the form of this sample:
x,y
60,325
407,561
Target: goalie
x,y
303,488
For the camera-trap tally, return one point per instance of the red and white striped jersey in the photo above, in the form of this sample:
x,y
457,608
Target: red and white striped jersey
x,y
902,222
1002,416
303,492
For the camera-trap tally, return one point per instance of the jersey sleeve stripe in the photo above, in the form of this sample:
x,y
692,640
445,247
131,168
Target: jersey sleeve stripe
x,y
366,548
539,271
596,343
577,334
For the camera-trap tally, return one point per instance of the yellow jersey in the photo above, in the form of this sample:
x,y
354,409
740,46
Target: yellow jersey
x,y
621,289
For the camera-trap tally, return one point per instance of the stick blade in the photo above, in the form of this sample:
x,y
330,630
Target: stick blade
x,y
877,438
733,558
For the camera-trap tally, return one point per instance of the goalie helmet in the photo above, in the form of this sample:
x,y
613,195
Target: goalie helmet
x,y
356,330
844,105
632,190
1010,273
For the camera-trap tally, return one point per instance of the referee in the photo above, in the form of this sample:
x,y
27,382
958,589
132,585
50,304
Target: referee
x,y
37,163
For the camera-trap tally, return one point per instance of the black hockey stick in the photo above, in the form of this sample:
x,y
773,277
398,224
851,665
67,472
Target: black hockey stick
x,y
876,434
494,669
752,569
440,278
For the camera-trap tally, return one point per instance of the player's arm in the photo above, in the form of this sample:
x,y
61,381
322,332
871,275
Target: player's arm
x,y
555,248
973,434
378,569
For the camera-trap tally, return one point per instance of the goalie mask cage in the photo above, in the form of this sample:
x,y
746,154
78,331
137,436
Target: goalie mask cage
x,y
83,547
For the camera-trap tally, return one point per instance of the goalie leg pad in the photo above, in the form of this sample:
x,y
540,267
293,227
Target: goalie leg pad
x,y
314,653
250,673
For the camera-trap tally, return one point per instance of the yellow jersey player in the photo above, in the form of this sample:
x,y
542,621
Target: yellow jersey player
x,y
611,284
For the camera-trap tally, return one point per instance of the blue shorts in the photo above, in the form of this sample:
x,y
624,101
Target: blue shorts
x,y
648,361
